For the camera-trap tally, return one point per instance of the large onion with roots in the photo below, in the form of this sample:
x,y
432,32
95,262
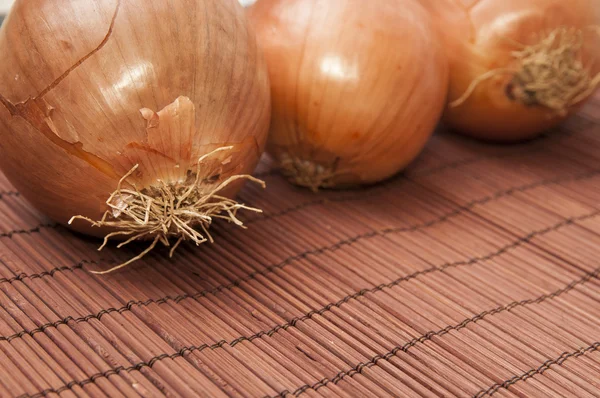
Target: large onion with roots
x,y
358,86
517,67
141,117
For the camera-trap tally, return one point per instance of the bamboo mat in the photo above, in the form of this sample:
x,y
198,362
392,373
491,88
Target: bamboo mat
x,y
473,274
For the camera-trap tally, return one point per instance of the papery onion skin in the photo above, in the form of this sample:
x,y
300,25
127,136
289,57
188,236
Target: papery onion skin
x,y
357,86
91,86
480,36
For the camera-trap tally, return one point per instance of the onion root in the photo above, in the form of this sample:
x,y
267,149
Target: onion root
x,y
548,74
165,212
308,174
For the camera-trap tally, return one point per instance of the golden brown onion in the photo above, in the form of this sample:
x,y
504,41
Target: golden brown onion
x,y
91,90
357,86
517,67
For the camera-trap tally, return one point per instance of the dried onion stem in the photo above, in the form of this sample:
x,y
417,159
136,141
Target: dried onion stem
x,y
183,211
549,73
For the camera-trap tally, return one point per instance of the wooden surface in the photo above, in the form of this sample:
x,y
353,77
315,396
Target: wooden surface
x,y
474,274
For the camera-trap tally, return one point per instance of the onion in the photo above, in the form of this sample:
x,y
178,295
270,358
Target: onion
x,y
357,86
517,67
142,117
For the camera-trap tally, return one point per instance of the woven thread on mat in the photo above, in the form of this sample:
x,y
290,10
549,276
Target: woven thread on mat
x,y
33,230
354,197
5,194
429,336
458,211
129,305
355,239
453,213
22,276
376,191
538,371
340,376
412,228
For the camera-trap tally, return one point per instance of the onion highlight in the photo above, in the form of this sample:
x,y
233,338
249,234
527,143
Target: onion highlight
x,y
140,117
357,86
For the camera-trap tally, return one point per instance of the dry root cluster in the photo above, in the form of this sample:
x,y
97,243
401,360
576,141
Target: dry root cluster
x,y
552,73
549,74
308,174
169,212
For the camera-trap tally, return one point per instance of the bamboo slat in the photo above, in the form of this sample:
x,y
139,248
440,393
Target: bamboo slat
x,y
475,273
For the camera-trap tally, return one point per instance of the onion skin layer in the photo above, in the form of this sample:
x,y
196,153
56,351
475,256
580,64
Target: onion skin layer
x,y
357,86
75,79
479,37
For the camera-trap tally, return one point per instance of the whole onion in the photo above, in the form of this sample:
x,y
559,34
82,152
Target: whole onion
x,y
357,86
142,117
517,67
